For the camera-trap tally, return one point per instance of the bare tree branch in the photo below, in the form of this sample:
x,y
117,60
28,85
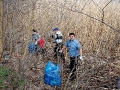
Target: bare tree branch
x,y
84,5
77,11
103,10
96,4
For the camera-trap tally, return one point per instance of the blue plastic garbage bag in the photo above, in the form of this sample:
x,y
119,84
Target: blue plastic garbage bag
x,y
52,74
32,48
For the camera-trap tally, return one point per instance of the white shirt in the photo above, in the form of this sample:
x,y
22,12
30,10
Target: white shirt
x,y
58,34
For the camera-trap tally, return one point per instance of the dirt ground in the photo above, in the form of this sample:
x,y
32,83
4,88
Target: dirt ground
x,y
93,73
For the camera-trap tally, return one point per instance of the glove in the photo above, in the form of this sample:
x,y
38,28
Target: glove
x,y
48,34
36,43
60,51
81,58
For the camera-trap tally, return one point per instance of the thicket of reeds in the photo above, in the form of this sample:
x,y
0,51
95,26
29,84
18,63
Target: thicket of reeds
x,y
96,25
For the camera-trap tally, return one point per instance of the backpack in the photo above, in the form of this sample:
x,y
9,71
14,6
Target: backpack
x,y
41,43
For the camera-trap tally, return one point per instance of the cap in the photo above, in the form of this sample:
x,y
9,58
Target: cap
x,y
56,29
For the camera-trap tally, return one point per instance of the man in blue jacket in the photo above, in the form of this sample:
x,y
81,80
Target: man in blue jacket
x,y
75,51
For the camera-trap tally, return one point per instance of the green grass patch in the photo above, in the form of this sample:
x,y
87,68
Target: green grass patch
x,y
6,73
3,76
3,71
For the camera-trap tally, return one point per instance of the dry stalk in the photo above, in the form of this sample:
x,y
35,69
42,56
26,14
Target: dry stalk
x,y
65,87
29,29
103,10
97,31
1,31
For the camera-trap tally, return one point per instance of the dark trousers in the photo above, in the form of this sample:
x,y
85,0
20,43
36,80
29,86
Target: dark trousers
x,y
73,65
57,48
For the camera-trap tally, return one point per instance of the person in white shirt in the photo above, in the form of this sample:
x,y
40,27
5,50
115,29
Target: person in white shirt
x,y
59,43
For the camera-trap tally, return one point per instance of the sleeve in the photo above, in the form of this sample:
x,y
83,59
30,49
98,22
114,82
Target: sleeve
x,y
78,45
38,36
55,36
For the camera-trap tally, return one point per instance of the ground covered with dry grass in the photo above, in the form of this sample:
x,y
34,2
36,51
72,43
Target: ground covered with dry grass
x,y
93,73
96,25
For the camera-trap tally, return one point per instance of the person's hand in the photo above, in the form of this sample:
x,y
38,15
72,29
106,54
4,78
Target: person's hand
x,y
36,43
53,42
60,51
52,36
81,58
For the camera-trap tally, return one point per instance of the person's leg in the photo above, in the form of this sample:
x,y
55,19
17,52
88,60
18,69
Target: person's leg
x,y
55,52
63,57
61,54
73,68
71,63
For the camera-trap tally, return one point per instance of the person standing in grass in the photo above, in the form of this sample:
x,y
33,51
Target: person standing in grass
x,y
34,42
35,36
75,51
59,43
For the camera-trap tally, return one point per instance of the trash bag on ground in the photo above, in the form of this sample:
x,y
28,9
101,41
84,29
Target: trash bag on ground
x,y
32,48
52,74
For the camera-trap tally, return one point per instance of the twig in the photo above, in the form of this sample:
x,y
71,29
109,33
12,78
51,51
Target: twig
x,y
103,10
1,31
29,28
77,11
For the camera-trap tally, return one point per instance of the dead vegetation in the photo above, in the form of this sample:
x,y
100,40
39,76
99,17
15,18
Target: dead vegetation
x,y
96,25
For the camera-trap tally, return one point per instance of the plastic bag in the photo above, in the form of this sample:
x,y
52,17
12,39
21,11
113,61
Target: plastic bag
x,y
32,48
52,74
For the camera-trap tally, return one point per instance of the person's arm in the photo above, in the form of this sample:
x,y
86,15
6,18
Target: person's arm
x,y
64,47
80,51
81,58
38,37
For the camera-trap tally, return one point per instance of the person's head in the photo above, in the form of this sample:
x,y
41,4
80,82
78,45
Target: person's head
x,y
72,36
55,29
34,31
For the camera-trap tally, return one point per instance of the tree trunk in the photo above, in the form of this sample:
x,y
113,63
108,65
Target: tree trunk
x,y
1,30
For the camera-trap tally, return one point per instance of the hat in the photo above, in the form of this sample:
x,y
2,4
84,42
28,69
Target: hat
x,y
55,29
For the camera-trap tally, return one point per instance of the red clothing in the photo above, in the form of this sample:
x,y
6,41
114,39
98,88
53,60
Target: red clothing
x,y
41,43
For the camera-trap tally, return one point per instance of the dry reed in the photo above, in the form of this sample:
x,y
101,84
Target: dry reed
x,y
96,26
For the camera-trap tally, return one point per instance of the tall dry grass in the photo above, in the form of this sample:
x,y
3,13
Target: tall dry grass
x,y
1,31
96,26
98,33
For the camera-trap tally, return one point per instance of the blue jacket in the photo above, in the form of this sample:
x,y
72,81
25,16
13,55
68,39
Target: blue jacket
x,y
74,47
